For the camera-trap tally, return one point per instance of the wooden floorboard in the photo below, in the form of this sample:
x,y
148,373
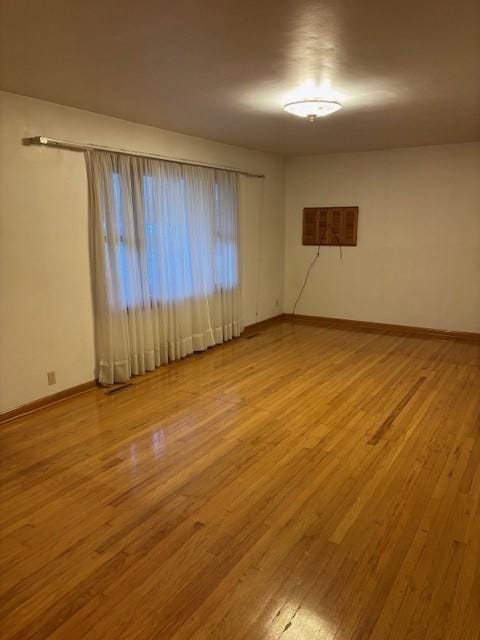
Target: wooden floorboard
x,y
237,495
389,420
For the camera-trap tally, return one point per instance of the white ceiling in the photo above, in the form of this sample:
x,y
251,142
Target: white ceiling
x,y
407,71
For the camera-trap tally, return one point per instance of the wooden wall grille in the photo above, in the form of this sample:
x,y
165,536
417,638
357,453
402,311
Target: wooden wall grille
x,y
331,226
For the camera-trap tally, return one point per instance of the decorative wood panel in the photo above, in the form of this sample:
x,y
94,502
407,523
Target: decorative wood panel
x,y
330,226
350,223
323,233
310,226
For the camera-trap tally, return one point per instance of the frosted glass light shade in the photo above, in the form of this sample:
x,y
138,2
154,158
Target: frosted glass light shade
x,y
312,108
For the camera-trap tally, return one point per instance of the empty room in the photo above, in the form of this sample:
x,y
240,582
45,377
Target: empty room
x,y
239,320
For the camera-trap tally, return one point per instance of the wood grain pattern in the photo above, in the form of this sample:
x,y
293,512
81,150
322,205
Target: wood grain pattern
x,y
234,495
389,420
330,226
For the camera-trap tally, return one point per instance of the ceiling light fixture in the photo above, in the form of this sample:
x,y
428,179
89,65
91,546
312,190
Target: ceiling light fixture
x,y
312,108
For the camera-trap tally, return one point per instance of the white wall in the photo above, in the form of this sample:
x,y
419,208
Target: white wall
x,y
418,256
417,261
45,295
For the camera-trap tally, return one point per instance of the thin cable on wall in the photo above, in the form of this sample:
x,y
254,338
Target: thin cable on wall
x,y
307,275
338,243
305,281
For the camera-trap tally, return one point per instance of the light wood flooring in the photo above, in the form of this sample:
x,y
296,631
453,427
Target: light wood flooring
x,y
306,483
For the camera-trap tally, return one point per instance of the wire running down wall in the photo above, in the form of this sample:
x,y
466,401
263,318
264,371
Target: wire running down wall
x,y
417,262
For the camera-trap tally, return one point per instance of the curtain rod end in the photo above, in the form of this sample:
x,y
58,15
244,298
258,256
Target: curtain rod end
x,y
35,140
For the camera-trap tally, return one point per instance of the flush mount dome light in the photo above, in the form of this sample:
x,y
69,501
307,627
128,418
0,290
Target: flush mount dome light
x,y
312,108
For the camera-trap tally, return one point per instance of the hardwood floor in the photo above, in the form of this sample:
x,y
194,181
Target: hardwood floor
x,y
306,483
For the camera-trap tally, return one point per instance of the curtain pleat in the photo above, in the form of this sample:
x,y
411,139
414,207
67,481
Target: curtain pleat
x,y
165,261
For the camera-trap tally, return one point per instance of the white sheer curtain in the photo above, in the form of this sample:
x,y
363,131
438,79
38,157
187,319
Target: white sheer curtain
x,y
165,261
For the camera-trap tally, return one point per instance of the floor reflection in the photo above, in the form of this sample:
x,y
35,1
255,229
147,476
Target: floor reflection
x,y
300,623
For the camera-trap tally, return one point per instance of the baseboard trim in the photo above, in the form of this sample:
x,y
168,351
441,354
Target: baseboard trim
x,y
380,327
55,398
47,401
263,324
320,321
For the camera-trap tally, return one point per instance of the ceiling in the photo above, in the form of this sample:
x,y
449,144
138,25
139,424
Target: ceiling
x,y
406,71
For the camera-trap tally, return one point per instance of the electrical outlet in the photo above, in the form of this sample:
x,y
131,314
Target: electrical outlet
x,y
51,377
277,302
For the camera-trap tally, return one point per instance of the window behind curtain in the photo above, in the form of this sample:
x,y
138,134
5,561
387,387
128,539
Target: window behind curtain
x,y
163,240
164,252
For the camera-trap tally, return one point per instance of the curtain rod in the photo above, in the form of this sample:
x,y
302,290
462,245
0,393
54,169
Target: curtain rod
x,y
77,146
